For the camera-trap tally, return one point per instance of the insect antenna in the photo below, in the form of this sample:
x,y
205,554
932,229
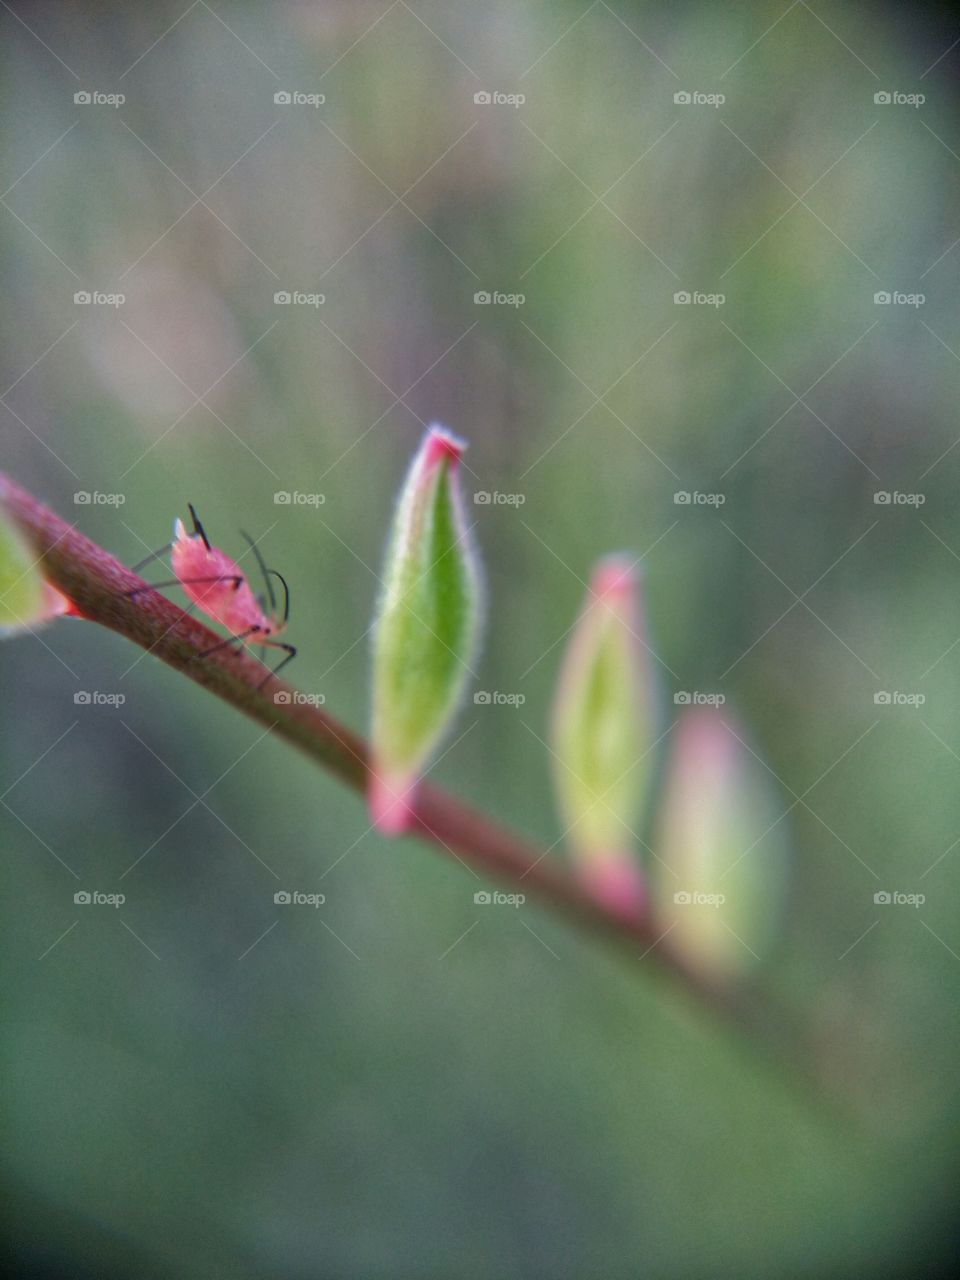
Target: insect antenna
x,y
198,527
286,592
263,569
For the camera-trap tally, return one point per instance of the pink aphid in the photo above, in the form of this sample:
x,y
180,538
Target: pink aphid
x,y
218,587
215,583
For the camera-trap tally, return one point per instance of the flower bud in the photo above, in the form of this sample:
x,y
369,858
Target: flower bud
x,y
26,598
602,732
721,838
426,629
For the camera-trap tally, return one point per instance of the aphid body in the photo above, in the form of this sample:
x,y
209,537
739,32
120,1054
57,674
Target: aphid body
x,y
215,584
218,586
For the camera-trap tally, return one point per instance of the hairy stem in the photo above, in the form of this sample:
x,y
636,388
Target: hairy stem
x,y
96,584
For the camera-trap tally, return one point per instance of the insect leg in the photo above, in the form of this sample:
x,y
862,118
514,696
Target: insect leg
x,y
180,582
154,555
291,654
230,640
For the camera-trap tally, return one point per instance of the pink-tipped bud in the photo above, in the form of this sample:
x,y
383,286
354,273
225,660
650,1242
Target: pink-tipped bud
x,y
602,731
426,629
441,445
26,598
721,845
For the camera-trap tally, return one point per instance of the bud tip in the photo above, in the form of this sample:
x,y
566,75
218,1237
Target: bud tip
x,y
441,444
615,577
707,739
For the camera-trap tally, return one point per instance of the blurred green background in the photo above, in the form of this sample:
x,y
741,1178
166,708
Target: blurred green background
x,y
202,1083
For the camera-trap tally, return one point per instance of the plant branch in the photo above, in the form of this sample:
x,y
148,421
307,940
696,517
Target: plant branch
x,y
98,585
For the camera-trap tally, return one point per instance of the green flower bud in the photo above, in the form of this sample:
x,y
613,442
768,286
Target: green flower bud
x,y
721,838
603,731
426,629
25,597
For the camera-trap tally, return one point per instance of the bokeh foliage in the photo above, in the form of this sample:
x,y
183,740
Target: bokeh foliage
x,y
404,1083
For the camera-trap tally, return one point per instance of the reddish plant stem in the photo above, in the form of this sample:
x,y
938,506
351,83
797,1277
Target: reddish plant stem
x,y
96,584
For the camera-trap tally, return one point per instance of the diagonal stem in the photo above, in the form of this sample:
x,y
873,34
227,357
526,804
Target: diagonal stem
x,y
99,587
